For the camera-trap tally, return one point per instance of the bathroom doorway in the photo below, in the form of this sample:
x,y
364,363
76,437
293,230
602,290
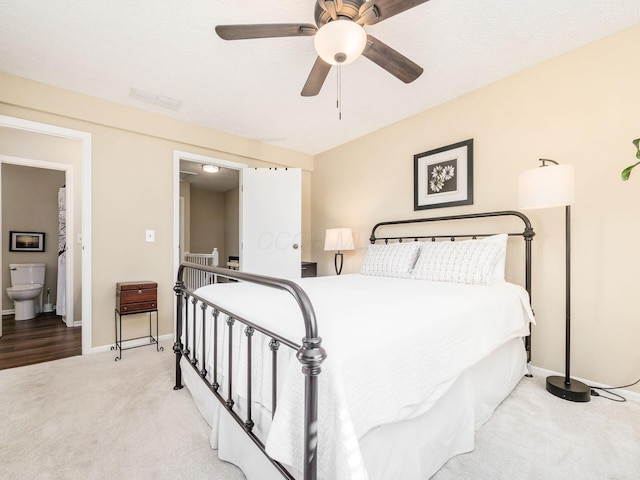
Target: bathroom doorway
x,y
34,140
30,203
33,192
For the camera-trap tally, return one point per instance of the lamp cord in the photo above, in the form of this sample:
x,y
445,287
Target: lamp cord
x,y
619,398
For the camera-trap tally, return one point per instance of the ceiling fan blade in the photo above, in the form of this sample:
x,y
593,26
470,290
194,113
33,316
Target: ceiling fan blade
x,y
331,7
316,78
243,32
375,11
392,61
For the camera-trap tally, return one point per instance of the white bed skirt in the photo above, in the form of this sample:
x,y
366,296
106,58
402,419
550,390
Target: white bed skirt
x,y
410,449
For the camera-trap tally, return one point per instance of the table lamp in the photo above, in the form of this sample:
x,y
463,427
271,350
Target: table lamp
x,y
338,239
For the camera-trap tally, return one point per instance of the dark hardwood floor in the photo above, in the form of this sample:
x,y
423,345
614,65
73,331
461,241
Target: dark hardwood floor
x,y
40,339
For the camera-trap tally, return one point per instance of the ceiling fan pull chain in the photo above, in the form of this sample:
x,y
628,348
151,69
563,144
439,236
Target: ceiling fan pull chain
x,y
339,90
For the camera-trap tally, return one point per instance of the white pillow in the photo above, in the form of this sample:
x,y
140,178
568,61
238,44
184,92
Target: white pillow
x,y
472,261
501,241
391,260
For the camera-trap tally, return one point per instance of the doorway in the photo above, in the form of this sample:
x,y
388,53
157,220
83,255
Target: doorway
x,y
215,195
76,184
36,212
46,336
209,212
269,217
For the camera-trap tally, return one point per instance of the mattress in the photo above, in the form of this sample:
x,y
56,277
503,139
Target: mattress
x,y
396,349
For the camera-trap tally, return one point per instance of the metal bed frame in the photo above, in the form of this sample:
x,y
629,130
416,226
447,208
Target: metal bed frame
x,y
309,351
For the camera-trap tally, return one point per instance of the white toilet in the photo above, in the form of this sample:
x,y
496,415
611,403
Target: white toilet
x,y
27,280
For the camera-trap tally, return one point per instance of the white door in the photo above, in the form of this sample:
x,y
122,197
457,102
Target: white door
x,y
271,218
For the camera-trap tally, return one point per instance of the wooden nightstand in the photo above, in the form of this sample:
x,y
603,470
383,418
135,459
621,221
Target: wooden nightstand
x,y
134,298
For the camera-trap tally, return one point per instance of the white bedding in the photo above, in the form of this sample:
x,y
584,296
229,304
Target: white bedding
x,y
395,346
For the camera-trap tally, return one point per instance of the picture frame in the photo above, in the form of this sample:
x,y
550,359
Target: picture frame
x,y
443,177
26,241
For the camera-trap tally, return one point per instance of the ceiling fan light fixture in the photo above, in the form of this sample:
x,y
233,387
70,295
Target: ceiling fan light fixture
x,y
340,42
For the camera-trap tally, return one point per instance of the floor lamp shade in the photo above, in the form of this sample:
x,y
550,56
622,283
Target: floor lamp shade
x,y
547,186
554,186
338,239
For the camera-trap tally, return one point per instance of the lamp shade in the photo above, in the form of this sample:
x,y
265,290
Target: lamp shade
x,y
547,186
340,42
338,239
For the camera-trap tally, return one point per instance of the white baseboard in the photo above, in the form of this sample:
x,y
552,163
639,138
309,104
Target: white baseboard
x,y
76,323
628,394
133,343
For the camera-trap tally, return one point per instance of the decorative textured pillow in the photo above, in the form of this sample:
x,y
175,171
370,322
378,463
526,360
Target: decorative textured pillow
x,y
392,260
471,261
501,241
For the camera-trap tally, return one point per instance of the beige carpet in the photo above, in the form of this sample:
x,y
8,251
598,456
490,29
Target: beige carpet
x,y
92,418
534,435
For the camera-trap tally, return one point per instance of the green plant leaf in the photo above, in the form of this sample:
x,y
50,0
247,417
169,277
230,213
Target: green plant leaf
x,y
627,171
636,142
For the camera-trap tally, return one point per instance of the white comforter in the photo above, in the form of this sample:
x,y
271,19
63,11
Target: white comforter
x,y
394,347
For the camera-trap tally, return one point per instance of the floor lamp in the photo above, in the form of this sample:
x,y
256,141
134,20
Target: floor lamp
x,y
338,239
553,186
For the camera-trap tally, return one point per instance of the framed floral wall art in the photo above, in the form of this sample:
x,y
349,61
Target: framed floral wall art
x,y
443,177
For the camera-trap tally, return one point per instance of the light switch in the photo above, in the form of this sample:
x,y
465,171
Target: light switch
x,y
150,235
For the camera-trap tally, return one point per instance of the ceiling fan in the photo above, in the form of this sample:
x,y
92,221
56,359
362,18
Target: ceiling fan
x,y
339,37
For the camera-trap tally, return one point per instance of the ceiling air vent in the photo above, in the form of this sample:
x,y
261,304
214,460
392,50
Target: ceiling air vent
x,y
159,100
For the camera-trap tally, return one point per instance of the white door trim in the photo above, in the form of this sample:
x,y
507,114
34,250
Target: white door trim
x,y
85,139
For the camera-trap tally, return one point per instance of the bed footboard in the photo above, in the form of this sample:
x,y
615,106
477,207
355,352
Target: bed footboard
x,y
309,352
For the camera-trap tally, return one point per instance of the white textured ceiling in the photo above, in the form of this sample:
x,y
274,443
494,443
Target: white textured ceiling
x,y
251,88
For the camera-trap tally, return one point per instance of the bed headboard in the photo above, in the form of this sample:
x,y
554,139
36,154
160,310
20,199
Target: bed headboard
x,y
527,234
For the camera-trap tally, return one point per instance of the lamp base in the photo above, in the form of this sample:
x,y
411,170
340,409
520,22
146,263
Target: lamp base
x,y
574,391
337,264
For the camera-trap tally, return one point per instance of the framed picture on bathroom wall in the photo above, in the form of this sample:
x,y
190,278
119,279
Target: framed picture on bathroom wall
x,y
26,241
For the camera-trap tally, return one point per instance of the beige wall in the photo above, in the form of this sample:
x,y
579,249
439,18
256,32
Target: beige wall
x,y
132,185
211,220
207,221
582,108
30,204
44,148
